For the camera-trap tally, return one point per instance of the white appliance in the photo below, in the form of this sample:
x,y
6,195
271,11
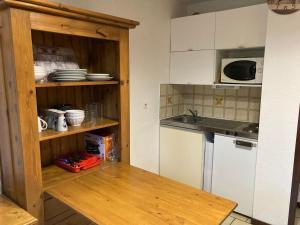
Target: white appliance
x,y
182,156
242,70
234,171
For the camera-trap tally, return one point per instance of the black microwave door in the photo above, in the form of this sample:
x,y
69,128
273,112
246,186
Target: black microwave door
x,y
242,70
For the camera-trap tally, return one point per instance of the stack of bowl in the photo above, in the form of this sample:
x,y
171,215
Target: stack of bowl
x,y
75,117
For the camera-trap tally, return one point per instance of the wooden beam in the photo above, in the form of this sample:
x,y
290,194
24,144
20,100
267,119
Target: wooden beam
x,y
18,80
124,96
68,11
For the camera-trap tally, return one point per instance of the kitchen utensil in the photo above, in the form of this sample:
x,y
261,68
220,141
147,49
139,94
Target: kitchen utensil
x,y
75,117
60,121
42,125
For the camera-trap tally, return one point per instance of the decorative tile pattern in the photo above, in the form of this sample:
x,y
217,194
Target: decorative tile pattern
x,y
231,104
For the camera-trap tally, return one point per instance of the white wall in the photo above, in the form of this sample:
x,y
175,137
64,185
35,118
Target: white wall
x,y
218,5
149,66
278,120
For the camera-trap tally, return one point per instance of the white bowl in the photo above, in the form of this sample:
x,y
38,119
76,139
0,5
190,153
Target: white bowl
x,y
39,76
75,122
74,112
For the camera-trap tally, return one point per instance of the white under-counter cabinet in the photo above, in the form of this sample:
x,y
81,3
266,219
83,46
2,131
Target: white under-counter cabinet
x,y
244,27
193,67
182,156
193,32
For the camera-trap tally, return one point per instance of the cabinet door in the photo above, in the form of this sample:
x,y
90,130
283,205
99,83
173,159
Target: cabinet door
x,y
242,28
182,156
193,32
193,67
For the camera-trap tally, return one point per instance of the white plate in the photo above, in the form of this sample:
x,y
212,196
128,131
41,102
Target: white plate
x,y
68,70
68,75
69,79
99,78
71,72
98,74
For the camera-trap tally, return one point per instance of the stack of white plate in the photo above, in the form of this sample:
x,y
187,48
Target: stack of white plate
x,y
69,75
98,76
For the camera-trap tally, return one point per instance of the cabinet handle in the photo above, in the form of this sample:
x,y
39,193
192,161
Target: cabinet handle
x,y
244,143
98,31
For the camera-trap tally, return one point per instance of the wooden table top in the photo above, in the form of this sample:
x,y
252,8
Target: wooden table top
x,y
11,214
120,194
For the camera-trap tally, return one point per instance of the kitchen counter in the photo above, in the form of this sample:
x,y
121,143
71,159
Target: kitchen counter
x,y
11,214
118,194
228,127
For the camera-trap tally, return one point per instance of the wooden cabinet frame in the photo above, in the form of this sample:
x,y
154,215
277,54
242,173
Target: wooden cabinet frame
x,y
19,137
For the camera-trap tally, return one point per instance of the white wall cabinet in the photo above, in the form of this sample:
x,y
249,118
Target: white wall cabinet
x,y
182,156
193,32
241,28
193,67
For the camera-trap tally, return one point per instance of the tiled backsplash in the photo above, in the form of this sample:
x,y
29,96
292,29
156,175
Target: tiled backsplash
x,y
242,104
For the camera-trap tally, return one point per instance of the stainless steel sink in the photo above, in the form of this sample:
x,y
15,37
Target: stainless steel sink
x,y
187,119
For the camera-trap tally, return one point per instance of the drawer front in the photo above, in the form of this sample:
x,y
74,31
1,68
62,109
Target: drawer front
x,y
63,25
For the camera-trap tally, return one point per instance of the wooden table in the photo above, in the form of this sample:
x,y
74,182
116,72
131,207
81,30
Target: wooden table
x,y
119,194
11,214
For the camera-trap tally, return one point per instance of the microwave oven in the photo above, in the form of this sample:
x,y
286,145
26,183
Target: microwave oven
x,y
242,70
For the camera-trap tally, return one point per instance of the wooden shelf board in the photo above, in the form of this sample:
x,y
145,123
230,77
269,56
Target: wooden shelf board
x,y
72,84
119,193
54,175
85,127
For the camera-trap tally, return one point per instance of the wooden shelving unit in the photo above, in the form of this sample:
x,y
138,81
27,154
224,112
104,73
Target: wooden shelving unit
x,y
101,45
74,84
85,127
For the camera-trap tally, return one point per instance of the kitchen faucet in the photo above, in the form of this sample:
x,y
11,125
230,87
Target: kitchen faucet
x,y
193,112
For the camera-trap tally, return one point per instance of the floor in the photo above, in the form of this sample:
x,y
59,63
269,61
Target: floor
x,y
237,219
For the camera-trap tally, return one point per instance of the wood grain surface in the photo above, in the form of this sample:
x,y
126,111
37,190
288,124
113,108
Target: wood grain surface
x,y
120,194
11,214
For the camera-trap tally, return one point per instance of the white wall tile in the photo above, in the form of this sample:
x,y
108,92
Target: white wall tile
x,y
229,114
242,103
230,102
208,100
220,92
241,115
207,111
243,92
199,89
208,90
198,99
188,99
218,113
254,104
254,116
230,92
